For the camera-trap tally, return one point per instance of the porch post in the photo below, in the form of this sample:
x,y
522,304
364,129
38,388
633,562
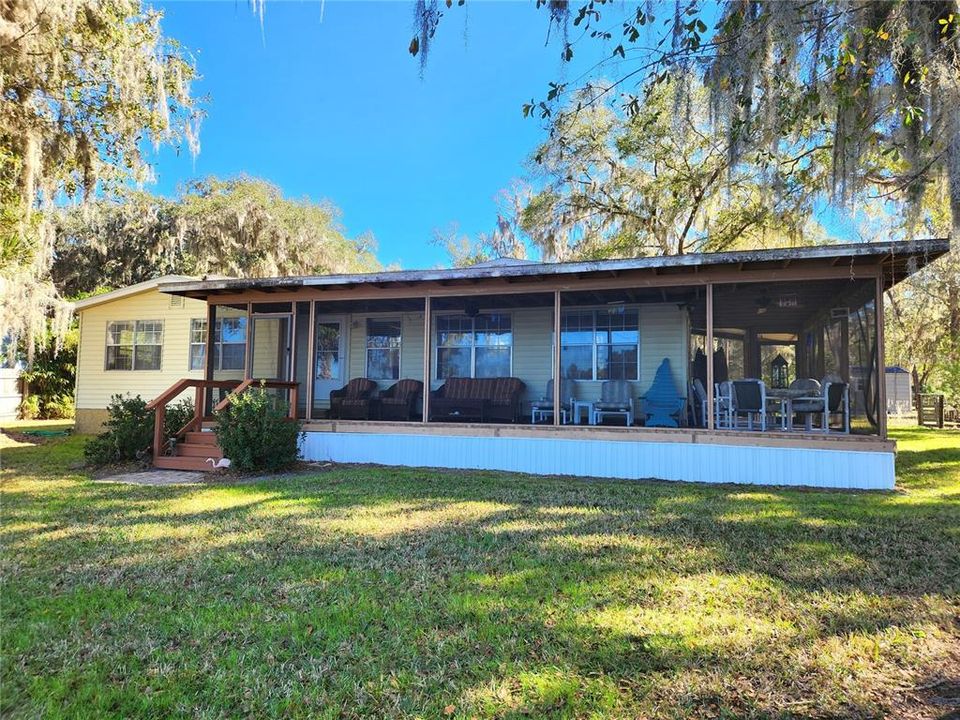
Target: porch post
x,y
881,362
709,342
311,369
210,344
557,404
248,351
426,358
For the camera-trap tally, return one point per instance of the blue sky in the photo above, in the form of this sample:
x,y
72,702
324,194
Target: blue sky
x,y
336,109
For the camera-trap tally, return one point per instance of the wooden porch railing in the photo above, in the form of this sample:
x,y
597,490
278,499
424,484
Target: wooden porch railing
x,y
159,403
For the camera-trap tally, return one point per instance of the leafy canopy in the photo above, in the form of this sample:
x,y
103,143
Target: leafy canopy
x,y
87,84
242,227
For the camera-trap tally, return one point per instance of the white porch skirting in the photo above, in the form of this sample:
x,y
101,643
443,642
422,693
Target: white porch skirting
x,y
712,462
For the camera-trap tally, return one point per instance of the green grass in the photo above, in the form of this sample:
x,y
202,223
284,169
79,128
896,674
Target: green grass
x,y
373,592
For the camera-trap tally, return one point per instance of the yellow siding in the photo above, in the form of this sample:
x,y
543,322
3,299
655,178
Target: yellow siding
x,y
95,385
532,345
411,349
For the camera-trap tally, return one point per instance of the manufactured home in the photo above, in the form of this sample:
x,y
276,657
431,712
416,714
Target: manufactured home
x,y
750,366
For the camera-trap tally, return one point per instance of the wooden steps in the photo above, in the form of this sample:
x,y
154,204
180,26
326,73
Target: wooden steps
x,y
192,453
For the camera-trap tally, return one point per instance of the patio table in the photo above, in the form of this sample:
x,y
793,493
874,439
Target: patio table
x,y
785,397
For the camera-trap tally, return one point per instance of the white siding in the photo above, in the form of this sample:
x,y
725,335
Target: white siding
x,y
95,385
688,461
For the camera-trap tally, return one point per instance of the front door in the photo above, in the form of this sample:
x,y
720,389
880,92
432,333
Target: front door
x,y
329,366
270,358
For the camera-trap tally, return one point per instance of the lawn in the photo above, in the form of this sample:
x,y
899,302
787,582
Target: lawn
x,y
375,592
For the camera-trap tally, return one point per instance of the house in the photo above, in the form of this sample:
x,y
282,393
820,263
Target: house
x,y
656,360
135,340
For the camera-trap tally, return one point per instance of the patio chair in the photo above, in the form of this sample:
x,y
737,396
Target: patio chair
x,y
722,405
809,404
541,409
615,399
353,400
749,400
401,400
662,405
836,398
699,403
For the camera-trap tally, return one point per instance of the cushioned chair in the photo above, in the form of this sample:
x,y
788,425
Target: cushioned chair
x,y
401,401
615,399
478,399
749,401
543,408
354,400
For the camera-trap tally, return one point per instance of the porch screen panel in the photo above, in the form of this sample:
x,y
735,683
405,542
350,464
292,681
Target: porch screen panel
x,y
229,346
493,339
383,349
618,338
865,373
328,351
576,344
454,346
229,343
600,344
480,346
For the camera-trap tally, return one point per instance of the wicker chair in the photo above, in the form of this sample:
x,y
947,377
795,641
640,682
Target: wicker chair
x,y
401,401
354,400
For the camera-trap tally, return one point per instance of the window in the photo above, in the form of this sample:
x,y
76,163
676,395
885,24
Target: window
x,y
134,345
383,349
229,344
480,346
600,344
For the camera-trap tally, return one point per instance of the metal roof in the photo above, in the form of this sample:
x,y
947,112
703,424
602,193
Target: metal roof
x,y
921,252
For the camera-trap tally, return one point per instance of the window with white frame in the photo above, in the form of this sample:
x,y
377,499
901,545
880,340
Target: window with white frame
x,y
229,343
134,345
600,344
480,346
383,349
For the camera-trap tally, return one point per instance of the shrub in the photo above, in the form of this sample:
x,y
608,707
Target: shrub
x,y
176,416
29,408
60,407
255,433
129,433
50,378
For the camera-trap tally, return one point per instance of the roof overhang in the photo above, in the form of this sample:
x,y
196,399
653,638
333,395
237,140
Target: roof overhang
x,y
893,261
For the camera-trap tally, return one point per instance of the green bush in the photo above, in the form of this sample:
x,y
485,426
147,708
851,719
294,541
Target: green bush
x,y
29,408
255,433
176,416
50,379
60,407
129,433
